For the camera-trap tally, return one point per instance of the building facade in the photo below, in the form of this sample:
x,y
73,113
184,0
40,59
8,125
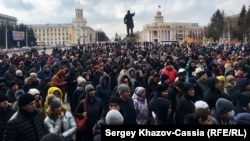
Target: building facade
x,y
8,19
161,31
75,33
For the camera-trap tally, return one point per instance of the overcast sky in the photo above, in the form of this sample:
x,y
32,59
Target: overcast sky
x,y
108,15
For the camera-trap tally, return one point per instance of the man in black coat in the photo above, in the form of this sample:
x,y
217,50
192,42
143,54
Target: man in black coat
x,y
26,124
5,113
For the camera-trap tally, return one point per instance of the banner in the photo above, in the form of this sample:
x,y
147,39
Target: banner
x,y
18,36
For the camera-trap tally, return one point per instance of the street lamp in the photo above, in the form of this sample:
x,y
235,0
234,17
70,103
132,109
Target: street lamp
x,y
6,36
27,38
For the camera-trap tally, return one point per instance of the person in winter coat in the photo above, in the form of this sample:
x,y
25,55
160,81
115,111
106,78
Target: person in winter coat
x,y
31,82
5,113
79,91
53,92
60,121
59,81
163,112
242,110
141,106
224,112
214,92
113,117
127,104
94,112
26,124
39,100
185,104
103,89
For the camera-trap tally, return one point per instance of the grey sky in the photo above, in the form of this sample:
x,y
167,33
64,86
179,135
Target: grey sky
x,y
108,15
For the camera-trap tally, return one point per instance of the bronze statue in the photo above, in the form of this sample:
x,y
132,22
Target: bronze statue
x,y
128,20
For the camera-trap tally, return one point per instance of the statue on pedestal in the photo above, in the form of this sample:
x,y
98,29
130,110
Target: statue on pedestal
x,y
128,20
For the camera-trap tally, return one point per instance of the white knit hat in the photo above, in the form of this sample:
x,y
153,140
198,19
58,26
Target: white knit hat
x,y
19,72
33,91
80,80
114,117
201,104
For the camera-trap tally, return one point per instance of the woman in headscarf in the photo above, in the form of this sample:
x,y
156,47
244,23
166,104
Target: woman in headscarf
x,y
141,106
94,108
58,81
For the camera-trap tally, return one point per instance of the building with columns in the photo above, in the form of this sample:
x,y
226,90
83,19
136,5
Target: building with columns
x,y
74,33
160,31
6,19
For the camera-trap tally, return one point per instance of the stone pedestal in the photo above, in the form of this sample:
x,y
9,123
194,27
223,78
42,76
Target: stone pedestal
x,y
130,40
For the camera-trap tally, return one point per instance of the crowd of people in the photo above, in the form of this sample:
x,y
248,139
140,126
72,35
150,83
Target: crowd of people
x,y
134,85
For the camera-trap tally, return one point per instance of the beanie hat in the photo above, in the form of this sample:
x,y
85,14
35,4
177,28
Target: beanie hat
x,y
139,90
52,98
33,91
3,97
192,80
230,78
122,88
89,88
223,106
201,104
80,80
25,99
181,70
199,74
33,74
19,72
221,78
47,79
187,86
45,66
197,70
114,117
160,88
54,104
12,84
115,100
18,93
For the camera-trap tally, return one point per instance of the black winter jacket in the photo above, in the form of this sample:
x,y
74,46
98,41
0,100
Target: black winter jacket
x,y
25,126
